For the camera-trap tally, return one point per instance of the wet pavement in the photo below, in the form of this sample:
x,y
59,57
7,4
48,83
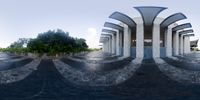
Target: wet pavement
x,y
6,56
188,62
10,65
97,56
147,83
97,67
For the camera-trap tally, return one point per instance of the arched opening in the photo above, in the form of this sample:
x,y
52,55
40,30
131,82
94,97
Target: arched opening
x,y
147,42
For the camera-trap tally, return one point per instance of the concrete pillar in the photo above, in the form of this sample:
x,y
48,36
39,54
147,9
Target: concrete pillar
x,y
169,42
184,45
121,42
127,41
139,39
110,45
106,46
103,46
176,43
188,44
117,43
113,43
156,40
181,44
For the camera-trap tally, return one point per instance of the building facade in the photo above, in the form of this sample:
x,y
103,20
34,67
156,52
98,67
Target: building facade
x,y
147,36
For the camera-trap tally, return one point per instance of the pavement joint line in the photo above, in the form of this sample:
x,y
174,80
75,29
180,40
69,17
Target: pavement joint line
x,y
17,74
112,78
177,74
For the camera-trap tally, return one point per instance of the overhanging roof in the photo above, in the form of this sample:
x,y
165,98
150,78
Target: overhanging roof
x,y
107,35
182,26
189,35
149,13
109,31
102,39
114,26
186,31
123,18
172,19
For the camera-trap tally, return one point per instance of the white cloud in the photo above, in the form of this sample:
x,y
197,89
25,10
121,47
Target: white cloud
x,y
92,38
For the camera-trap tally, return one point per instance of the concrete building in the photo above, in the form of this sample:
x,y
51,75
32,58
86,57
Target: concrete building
x,y
147,36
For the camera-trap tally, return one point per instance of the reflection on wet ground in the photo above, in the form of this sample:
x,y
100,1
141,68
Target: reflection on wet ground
x,y
97,67
147,83
9,65
189,62
96,56
9,61
5,56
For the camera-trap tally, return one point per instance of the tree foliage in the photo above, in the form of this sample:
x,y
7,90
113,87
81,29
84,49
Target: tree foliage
x,y
51,42
56,41
22,42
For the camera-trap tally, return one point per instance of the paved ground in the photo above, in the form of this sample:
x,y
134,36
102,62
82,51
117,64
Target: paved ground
x,y
189,62
14,64
99,66
148,83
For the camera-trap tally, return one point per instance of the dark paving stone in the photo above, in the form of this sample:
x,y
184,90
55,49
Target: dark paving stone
x,y
11,65
148,83
97,56
184,64
24,89
99,67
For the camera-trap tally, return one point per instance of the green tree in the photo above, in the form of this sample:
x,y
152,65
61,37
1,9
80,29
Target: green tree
x,y
56,41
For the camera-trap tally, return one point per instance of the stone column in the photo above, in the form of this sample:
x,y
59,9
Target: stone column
x,y
106,46
140,40
188,44
156,41
156,38
110,44
103,46
176,43
181,44
113,43
121,42
184,45
169,42
127,41
117,43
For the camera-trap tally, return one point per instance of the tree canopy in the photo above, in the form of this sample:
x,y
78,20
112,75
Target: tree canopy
x,y
51,42
56,41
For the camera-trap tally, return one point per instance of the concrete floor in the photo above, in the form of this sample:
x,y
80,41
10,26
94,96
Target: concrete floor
x,y
148,83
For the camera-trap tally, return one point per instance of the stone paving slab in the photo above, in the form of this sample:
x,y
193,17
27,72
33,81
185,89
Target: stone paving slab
x,y
17,74
88,78
178,74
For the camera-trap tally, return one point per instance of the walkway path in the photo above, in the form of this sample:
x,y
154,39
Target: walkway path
x,y
147,83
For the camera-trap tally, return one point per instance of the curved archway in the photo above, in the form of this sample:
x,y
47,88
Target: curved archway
x,y
149,13
128,33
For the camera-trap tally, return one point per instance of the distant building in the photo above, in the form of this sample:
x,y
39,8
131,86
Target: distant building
x,y
194,43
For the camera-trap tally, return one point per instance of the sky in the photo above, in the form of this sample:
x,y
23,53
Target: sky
x,y
81,18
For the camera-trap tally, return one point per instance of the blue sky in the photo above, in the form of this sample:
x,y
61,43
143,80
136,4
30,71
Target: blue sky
x,y
82,18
